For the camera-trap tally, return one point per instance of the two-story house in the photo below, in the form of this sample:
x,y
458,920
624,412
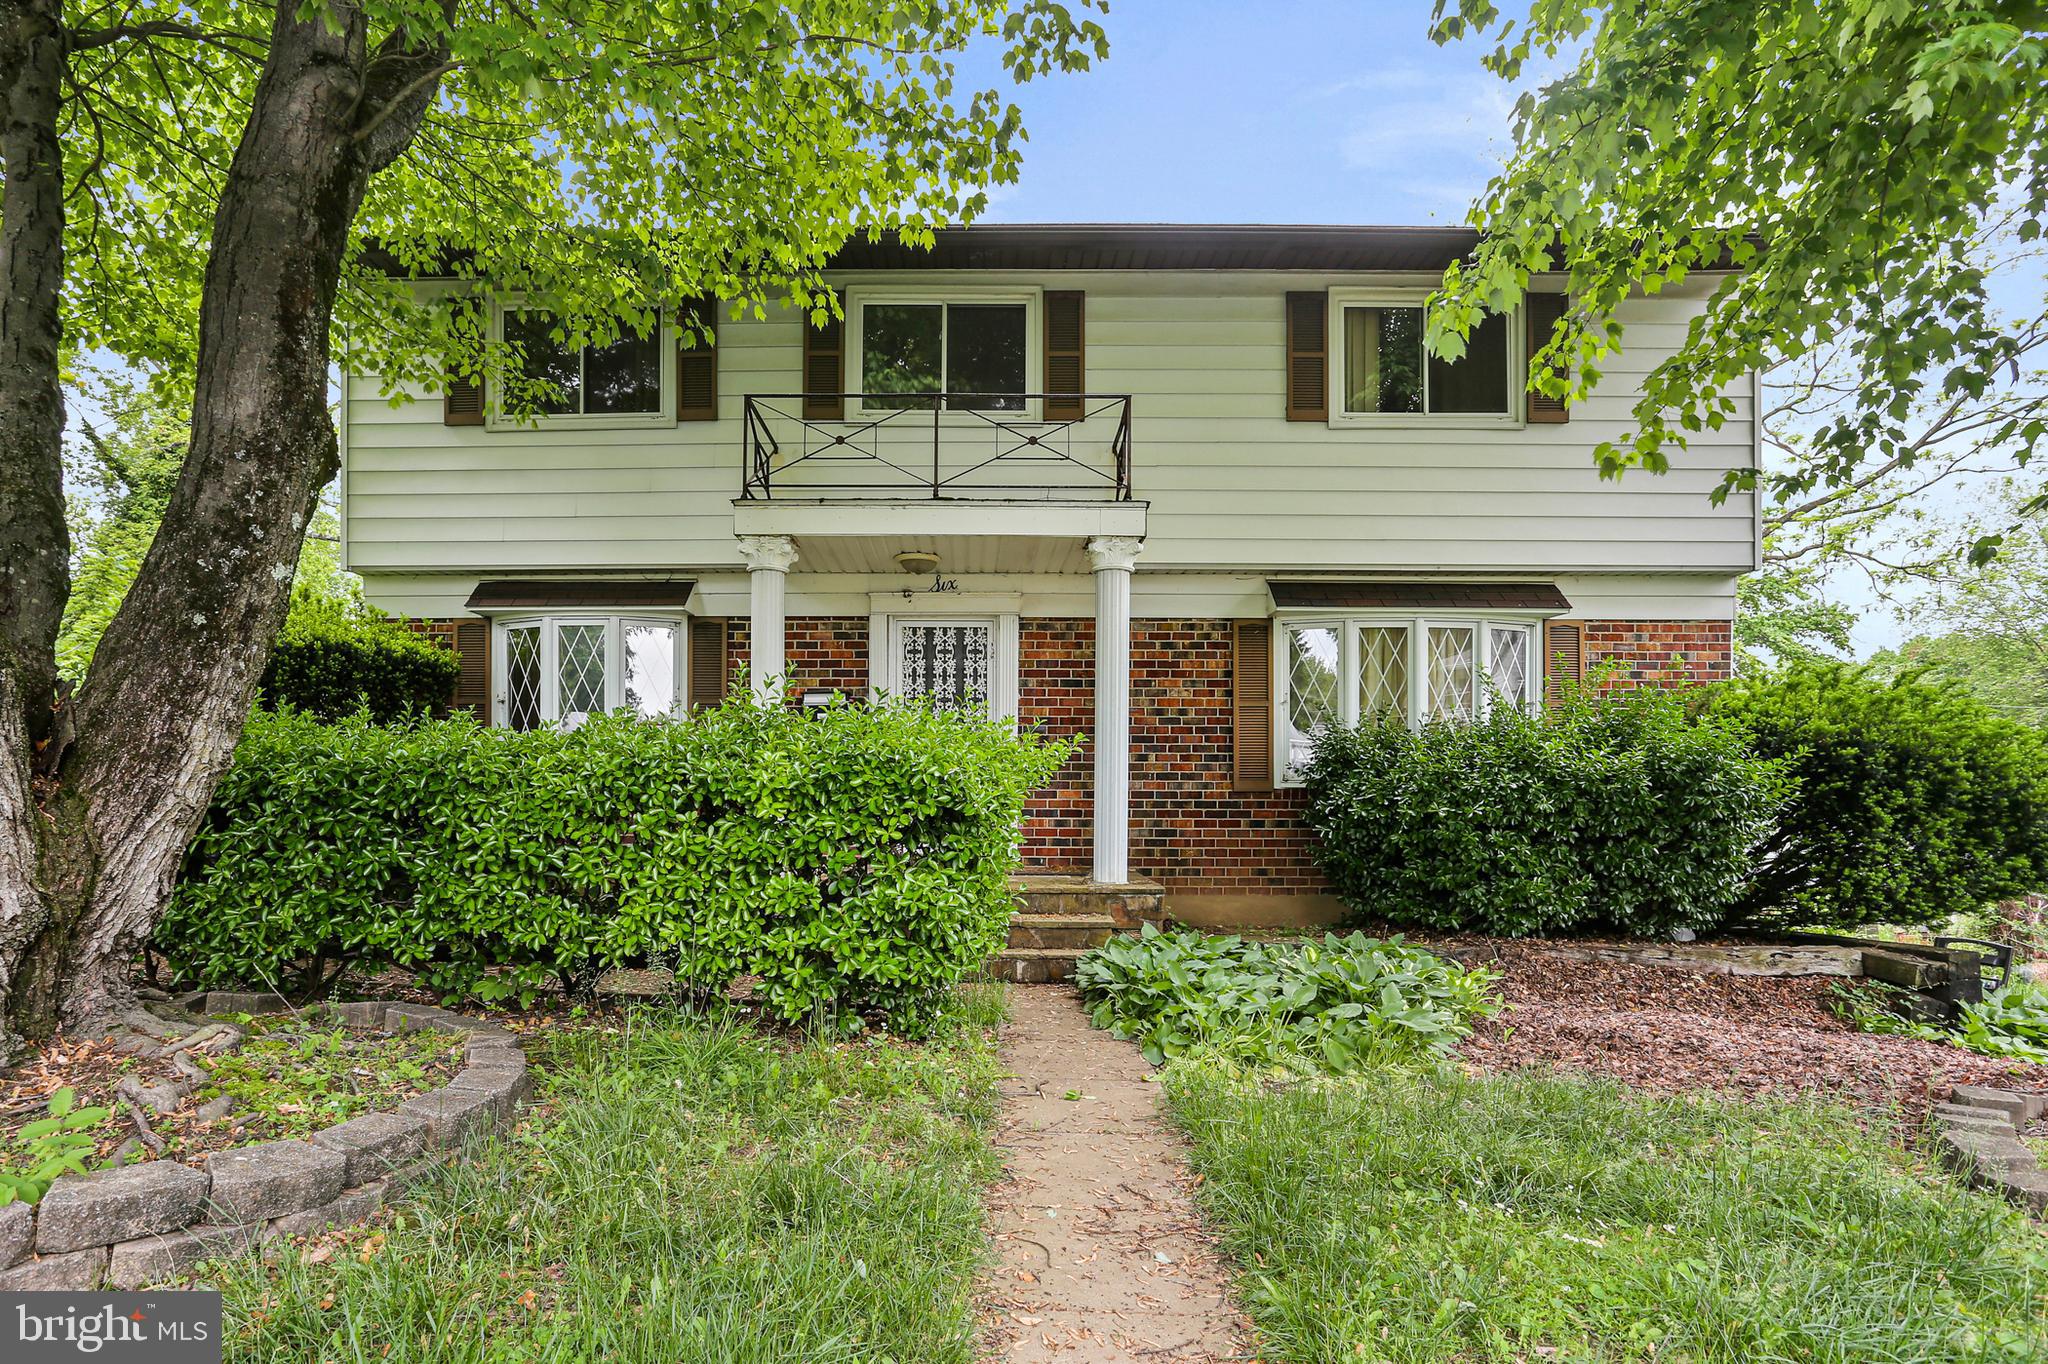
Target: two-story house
x,y
1187,490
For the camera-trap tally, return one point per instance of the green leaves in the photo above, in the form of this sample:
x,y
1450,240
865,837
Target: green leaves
x,y
1914,801
1336,1004
854,860
49,1147
1619,810
1844,156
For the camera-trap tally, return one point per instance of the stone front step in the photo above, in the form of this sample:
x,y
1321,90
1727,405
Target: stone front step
x,y
1074,932
1035,965
1127,903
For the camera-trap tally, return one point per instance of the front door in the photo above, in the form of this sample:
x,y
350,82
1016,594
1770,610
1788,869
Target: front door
x,y
948,661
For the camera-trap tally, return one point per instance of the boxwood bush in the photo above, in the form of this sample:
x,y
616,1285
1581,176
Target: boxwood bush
x,y
331,661
855,860
1618,811
1915,801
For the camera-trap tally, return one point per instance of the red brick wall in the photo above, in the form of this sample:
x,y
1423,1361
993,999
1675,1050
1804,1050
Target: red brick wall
x,y
1189,829
1662,653
817,651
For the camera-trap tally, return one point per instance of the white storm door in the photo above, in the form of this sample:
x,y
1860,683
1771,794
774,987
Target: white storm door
x,y
951,662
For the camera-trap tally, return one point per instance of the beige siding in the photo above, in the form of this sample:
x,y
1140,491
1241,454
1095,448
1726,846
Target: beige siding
x,y
1231,485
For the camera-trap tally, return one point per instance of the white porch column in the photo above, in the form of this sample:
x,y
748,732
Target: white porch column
x,y
1113,557
768,561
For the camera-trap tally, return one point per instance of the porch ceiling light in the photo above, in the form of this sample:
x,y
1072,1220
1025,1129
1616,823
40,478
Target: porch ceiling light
x,y
918,562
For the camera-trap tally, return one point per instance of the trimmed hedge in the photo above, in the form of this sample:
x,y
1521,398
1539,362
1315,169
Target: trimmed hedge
x,y
1915,801
855,860
330,663
1616,811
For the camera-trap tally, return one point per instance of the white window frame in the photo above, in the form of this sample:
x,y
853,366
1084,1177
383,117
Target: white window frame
x,y
615,624
1514,418
1348,624
859,297
664,414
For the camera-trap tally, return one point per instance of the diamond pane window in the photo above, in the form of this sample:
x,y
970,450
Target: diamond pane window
x,y
1453,672
1383,673
579,672
1509,671
1314,691
522,676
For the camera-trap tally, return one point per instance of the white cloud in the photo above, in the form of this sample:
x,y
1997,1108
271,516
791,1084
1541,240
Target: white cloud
x,y
1426,141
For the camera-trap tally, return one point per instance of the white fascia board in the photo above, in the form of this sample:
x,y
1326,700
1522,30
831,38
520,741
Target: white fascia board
x,y
910,518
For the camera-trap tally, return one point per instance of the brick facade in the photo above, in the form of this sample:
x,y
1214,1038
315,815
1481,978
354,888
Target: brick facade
x,y
1189,829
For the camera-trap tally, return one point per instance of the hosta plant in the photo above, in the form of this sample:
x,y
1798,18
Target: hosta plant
x,y
1334,1003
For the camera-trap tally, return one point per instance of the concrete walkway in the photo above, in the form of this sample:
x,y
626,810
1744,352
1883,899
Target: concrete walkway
x,y
1101,1254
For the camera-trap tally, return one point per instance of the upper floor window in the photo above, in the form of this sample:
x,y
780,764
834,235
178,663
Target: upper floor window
x,y
561,670
625,381
1385,370
975,348
1360,670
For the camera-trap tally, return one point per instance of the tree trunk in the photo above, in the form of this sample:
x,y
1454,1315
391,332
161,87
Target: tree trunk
x,y
34,548
172,680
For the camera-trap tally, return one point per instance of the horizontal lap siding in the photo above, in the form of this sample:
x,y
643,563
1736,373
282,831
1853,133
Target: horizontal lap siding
x,y
1230,482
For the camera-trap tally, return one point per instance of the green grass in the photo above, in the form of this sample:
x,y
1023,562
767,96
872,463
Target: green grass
x,y
1443,1217
694,1192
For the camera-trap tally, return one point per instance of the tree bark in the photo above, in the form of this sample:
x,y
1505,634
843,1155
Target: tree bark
x,y
172,680
35,549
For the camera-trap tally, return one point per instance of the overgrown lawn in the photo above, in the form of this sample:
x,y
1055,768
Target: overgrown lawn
x,y
1409,1216
693,1191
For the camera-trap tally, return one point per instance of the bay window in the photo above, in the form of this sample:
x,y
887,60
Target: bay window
x,y
1386,370
561,670
1375,669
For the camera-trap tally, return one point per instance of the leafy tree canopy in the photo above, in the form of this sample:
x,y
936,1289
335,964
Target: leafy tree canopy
x,y
603,158
1846,154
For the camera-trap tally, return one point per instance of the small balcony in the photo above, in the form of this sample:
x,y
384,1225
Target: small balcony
x,y
942,446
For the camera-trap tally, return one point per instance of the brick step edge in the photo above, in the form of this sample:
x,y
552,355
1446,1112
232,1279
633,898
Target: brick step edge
x,y
1035,965
151,1222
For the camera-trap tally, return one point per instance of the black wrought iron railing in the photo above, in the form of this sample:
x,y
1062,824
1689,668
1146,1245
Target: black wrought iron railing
x,y
962,446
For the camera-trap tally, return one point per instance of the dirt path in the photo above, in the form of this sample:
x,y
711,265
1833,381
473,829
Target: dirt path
x,y
1101,1254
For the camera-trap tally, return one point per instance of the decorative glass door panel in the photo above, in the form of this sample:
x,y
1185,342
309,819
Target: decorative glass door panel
x,y
522,676
579,672
946,662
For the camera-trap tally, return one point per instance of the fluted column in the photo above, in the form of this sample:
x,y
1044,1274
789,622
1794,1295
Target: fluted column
x,y
1112,558
768,558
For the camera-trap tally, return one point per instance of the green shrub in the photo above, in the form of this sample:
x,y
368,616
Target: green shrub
x,y
1619,811
1914,801
1337,1004
854,860
330,663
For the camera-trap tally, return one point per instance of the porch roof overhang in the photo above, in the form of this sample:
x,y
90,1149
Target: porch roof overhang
x,y
579,593
864,536
1366,595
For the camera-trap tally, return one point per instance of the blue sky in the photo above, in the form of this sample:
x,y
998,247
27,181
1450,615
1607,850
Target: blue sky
x,y
1287,111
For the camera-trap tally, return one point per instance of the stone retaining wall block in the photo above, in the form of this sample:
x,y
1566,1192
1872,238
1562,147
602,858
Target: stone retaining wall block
x,y
253,1183
374,1143
73,1271
17,1234
155,1259
452,1116
118,1205
354,1205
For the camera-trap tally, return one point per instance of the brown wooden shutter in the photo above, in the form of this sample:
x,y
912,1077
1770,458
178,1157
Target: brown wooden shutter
x,y
462,402
1308,357
473,684
1542,312
1251,705
825,370
710,662
1564,657
697,369
1065,354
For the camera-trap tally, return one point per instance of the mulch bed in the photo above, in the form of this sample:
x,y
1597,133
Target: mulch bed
x,y
1669,1030
95,1067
